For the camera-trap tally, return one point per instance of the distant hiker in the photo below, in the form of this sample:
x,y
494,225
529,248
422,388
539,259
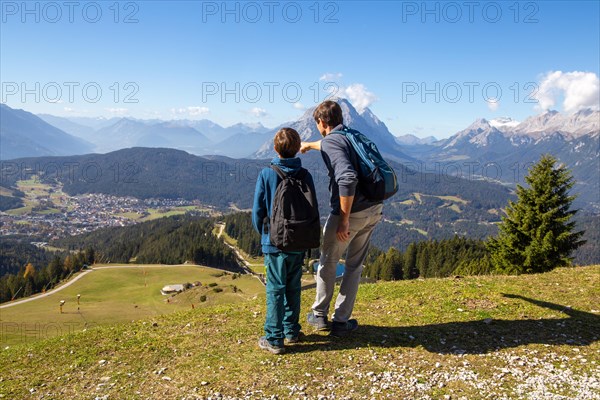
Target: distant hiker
x,y
349,225
286,215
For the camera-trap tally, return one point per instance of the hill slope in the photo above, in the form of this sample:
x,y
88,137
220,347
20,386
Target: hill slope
x,y
479,337
116,294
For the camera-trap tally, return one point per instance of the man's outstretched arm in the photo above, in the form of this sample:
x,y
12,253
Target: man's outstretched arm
x,y
306,146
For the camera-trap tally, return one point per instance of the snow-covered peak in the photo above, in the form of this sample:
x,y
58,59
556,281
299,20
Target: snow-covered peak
x,y
580,123
503,122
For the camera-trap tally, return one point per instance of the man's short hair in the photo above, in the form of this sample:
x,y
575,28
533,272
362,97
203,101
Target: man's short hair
x,y
287,142
330,113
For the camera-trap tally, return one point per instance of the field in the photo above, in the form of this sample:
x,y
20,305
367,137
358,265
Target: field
x,y
112,295
498,337
35,190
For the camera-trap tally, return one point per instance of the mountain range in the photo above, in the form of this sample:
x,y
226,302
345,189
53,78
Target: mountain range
x,y
22,134
504,149
500,149
199,137
364,121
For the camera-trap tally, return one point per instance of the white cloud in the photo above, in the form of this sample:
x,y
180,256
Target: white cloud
x,y
579,90
492,104
117,111
69,109
358,95
192,111
299,106
258,112
198,110
331,77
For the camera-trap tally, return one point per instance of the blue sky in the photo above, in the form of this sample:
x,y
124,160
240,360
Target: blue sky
x,y
427,68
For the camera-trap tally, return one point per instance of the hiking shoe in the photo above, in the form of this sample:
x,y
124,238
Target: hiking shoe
x,y
294,339
343,328
319,323
264,344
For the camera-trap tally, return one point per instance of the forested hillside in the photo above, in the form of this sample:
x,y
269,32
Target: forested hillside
x,y
171,240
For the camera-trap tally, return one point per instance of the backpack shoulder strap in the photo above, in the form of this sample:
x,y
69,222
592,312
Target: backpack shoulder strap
x,y
345,131
279,172
300,174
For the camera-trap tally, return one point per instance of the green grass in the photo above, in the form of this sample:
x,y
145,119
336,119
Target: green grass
x,y
48,211
454,199
475,337
27,209
130,215
110,295
156,213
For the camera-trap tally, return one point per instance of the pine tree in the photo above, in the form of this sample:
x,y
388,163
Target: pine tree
x,y
410,262
396,260
537,233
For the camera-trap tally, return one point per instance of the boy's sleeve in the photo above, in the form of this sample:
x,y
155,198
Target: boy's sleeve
x,y
336,148
259,207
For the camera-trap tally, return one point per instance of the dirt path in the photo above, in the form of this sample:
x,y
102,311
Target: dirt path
x,y
48,293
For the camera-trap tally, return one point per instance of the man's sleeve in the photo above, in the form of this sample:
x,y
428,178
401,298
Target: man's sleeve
x,y
337,149
259,207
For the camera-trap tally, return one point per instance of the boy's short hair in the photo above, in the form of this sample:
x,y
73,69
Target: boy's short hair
x,y
330,113
287,142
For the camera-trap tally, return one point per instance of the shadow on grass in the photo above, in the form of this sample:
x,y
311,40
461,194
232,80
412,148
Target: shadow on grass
x,y
471,337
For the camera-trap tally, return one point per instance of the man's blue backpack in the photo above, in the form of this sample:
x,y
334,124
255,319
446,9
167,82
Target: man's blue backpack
x,y
376,178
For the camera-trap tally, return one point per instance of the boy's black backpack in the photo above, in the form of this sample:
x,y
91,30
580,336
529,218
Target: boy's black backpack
x,y
376,178
294,222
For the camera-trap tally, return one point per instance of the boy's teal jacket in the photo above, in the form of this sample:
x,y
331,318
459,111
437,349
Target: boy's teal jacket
x,y
264,194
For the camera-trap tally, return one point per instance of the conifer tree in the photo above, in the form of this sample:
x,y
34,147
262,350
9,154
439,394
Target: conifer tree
x,y
538,234
410,262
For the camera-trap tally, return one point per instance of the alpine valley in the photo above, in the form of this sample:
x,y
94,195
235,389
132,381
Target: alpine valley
x,y
455,186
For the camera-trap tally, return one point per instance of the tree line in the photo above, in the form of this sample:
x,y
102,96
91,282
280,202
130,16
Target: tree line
x,y
430,259
239,226
169,240
31,279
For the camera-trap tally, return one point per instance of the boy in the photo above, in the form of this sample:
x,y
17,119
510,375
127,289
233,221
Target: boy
x,y
283,268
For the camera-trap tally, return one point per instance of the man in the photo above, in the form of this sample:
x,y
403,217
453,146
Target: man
x,y
348,227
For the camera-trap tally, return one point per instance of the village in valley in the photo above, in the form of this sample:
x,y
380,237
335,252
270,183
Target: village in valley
x,y
48,213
